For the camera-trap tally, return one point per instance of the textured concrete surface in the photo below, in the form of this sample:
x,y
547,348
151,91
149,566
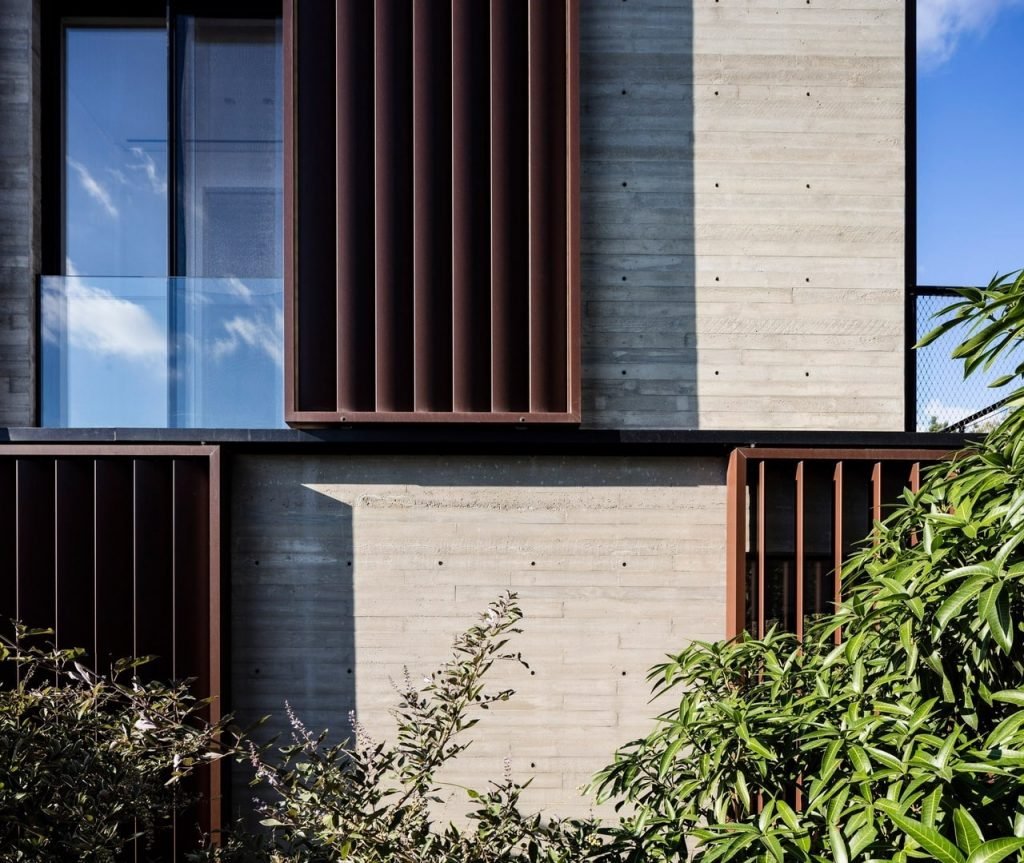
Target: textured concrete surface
x,y
344,569
743,213
19,229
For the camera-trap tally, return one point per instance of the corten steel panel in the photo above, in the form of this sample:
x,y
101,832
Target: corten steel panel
x,y
863,483
116,548
432,220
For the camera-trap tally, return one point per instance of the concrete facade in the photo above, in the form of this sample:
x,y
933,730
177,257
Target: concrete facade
x,y
345,569
19,212
743,213
742,268
742,208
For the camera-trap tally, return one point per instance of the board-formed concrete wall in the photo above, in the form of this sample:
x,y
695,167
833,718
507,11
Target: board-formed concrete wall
x,y
344,569
742,212
743,208
19,188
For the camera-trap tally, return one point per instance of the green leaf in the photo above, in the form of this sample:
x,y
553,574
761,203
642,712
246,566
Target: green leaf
x,y
839,852
995,610
964,594
1010,696
968,833
995,850
930,839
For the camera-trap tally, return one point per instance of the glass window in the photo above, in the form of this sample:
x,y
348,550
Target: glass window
x,y
169,310
115,171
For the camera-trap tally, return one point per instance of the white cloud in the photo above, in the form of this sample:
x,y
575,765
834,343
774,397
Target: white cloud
x,y
237,288
93,188
95,320
260,331
147,166
941,24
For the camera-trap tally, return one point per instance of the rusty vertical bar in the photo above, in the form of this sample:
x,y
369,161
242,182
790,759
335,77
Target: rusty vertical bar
x,y
214,649
548,238
36,558
393,245
432,208
510,242
115,555
837,540
310,215
800,550
154,577
74,554
761,550
736,545
915,486
876,498
291,364
471,307
8,560
572,179
354,203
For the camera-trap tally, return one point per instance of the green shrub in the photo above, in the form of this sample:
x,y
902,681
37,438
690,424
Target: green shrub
x,y
904,742
89,763
376,802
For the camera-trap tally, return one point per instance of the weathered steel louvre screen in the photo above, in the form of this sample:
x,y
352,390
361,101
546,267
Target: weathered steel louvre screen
x,y
431,172
116,549
794,516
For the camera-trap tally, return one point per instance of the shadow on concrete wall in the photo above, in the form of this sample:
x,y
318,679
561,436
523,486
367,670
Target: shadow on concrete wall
x,y
292,622
637,204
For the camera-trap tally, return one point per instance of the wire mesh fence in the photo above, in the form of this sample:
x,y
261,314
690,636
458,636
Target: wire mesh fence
x,y
945,399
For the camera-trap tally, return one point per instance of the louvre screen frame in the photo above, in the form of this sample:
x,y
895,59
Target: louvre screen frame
x,y
299,414
745,459
207,643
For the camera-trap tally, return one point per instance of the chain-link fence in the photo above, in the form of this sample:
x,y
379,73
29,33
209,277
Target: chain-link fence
x,y
945,400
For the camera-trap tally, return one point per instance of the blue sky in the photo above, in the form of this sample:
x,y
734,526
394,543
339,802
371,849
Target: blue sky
x,y
970,153
970,202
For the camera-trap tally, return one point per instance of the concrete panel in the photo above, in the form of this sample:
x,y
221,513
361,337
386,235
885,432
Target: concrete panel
x,y
743,213
19,229
346,569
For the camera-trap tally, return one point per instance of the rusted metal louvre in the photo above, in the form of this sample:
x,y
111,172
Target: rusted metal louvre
x,y
431,211
793,517
116,550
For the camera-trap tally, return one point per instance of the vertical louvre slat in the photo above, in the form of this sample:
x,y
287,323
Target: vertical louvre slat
x,y
354,71
914,484
432,207
115,555
761,546
8,559
154,592
736,529
37,599
74,559
471,312
548,271
452,128
392,129
190,542
800,550
837,539
876,494
312,267
510,202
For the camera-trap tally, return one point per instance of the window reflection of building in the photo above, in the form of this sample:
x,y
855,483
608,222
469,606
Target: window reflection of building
x,y
203,216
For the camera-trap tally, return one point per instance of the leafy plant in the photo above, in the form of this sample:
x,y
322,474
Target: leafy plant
x,y
376,802
904,741
88,763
